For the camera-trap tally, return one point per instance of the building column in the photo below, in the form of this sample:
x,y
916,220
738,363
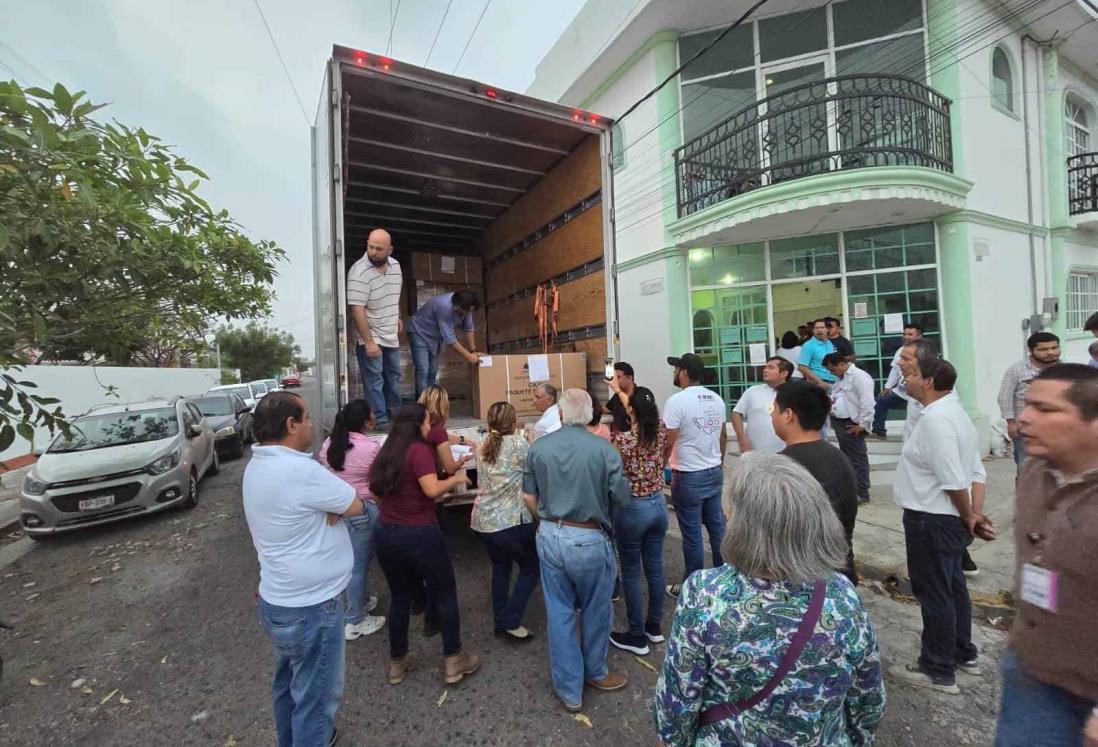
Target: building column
x,y
954,256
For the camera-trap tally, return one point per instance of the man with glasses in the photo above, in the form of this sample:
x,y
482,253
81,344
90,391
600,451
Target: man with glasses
x,y
373,295
545,400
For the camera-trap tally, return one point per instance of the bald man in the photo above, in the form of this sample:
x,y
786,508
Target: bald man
x,y
373,297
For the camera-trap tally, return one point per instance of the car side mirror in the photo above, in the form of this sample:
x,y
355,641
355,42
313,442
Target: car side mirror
x,y
245,408
193,431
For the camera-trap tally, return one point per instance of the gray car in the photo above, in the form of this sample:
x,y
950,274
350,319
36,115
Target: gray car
x,y
123,460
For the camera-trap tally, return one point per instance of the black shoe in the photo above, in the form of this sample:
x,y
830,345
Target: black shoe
x,y
653,634
881,434
628,642
430,628
418,607
969,566
863,499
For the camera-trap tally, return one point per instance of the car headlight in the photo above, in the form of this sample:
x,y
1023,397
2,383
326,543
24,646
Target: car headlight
x,y
226,431
34,486
163,464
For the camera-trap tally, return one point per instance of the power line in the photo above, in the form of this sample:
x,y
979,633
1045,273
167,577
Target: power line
x,y
439,31
392,25
283,62
26,63
470,39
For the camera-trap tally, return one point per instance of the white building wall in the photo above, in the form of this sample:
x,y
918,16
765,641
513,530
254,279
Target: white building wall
x,y
646,326
80,387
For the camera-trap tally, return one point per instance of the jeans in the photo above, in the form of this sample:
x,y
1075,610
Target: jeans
x,y
639,529
577,573
856,453
361,528
380,381
697,499
1035,713
411,556
935,545
425,361
885,402
515,545
308,671
1019,450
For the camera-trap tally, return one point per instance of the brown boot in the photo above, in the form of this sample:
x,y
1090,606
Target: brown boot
x,y
398,669
456,667
608,684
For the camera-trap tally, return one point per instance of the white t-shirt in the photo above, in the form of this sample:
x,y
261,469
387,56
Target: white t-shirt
x,y
754,405
940,455
549,422
793,355
287,494
698,415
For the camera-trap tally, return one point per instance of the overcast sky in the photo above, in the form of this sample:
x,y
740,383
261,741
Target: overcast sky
x,y
203,75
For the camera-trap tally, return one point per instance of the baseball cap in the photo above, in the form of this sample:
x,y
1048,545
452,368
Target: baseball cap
x,y
692,364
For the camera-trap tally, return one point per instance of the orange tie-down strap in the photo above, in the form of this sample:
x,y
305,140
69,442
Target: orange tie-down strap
x,y
546,312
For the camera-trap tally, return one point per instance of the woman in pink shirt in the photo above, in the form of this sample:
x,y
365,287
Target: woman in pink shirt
x,y
348,454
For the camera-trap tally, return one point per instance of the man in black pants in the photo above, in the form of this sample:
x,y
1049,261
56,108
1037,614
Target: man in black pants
x,y
852,415
799,413
933,486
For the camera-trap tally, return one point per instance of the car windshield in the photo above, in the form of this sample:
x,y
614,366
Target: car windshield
x,y
270,384
259,387
214,405
242,391
117,429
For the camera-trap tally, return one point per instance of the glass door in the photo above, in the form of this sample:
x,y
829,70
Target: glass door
x,y
797,131
727,322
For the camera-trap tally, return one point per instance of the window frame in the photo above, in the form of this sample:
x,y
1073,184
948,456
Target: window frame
x,y
1072,127
1010,107
1091,275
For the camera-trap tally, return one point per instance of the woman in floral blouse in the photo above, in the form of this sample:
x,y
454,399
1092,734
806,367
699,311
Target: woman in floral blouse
x,y
504,524
640,527
734,624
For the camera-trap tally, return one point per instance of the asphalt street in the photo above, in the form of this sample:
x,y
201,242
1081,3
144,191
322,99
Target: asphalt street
x,y
145,632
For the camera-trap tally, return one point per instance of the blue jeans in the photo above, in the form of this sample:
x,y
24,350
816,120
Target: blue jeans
x,y
885,403
515,545
1019,450
697,499
639,529
1033,712
361,528
425,361
380,381
308,672
577,573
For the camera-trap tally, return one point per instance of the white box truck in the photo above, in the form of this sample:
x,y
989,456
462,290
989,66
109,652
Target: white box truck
x,y
456,167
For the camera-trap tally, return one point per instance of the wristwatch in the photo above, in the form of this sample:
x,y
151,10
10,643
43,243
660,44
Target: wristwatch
x,y
461,439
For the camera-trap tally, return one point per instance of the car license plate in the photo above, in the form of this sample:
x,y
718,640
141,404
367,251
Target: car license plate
x,y
100,501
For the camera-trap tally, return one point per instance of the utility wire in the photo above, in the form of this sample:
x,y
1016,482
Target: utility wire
x,y
26,63
392,25
283,62
470,39
439,31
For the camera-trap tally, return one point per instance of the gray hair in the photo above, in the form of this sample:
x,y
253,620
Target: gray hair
x,y
924,349
575,407
781,524
550,391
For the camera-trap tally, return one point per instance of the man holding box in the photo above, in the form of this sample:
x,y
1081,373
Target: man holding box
x,y
435,324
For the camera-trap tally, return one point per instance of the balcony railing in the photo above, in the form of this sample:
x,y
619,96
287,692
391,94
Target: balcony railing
x,y
847,122
1083,183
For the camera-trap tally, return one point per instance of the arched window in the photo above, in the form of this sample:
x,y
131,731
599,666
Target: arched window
x,y
1077,126
1002,80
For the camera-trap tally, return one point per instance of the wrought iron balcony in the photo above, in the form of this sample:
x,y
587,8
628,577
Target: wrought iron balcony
x,y
847,122
1083,183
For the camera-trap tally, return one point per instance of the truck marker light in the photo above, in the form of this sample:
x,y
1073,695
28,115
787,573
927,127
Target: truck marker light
x,y
385,63
490,93
360,58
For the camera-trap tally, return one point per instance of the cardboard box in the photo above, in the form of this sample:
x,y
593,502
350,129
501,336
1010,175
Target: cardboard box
x,y
507,378
447,268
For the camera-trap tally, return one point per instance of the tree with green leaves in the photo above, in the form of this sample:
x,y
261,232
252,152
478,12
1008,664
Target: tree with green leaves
x,y
107,252
260,352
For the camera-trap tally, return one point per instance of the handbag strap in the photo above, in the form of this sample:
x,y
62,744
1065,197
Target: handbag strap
x,y
800,640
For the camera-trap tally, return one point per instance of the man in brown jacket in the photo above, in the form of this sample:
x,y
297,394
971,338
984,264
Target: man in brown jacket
x,y
1050,670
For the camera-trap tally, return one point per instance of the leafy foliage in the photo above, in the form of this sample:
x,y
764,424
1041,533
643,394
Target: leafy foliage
x,y
107,252
260,352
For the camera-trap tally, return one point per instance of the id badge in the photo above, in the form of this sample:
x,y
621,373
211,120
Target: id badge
x,y
1039,586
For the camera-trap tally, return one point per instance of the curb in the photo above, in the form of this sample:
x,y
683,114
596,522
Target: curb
x,y
995,609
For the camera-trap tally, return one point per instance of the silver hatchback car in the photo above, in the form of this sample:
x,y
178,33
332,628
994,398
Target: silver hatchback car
x,y
122,460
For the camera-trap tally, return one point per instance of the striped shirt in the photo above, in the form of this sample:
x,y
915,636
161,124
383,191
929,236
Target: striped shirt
x,y
380,294
1012,392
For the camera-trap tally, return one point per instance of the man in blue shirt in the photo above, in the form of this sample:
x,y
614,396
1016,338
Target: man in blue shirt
x,y
812,354
434,325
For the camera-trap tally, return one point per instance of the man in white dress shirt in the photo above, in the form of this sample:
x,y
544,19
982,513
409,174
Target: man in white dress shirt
x,y
894,392
545,400
852,415
756,404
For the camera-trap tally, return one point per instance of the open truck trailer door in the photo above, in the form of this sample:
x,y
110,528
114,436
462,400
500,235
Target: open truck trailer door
x,y
513,189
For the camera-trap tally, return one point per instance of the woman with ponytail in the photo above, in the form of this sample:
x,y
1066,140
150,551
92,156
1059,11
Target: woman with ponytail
x,y
503,523
348,454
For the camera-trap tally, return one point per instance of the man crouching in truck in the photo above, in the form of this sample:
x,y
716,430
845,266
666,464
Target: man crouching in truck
x,y
435,324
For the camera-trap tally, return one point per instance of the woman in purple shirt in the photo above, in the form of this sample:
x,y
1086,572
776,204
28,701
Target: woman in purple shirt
x,y
348,454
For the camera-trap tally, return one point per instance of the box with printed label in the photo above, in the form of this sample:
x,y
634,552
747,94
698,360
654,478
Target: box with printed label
x,y
447,268
513,378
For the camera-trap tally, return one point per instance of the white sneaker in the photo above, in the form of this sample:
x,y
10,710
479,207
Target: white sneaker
x,y
370,606
370,624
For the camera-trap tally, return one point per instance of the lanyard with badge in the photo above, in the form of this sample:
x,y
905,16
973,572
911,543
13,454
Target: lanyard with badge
x,y
1039,585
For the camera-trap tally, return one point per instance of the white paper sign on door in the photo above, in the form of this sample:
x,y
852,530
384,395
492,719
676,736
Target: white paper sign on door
x,y
861,310
893,323
757,351
538,365
446,265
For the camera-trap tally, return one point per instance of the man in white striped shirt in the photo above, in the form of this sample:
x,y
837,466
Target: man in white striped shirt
x,y
373,296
